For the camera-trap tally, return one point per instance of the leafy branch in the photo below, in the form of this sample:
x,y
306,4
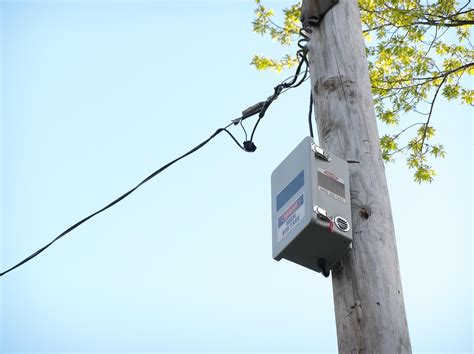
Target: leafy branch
x,y
419,53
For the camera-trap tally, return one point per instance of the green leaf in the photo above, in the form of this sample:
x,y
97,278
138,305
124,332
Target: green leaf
x,y
412,48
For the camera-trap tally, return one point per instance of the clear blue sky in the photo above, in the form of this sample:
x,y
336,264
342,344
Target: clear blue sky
x,y
97,95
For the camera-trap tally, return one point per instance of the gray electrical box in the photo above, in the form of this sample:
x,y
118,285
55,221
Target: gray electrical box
x,y
311,208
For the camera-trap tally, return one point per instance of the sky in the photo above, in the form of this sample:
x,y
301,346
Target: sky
x,y
97,95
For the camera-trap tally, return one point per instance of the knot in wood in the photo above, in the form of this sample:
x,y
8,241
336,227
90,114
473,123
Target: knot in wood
x,y
364,212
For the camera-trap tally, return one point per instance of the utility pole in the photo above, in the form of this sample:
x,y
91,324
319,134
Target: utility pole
x,y
368,296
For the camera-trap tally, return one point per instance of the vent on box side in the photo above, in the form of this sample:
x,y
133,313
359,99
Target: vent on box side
x,y
341,223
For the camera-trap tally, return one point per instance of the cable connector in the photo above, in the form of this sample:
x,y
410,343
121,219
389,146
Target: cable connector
x,y
252,110
249,146
256,108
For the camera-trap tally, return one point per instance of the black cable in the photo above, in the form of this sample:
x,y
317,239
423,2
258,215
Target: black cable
x,y
289,78
247,146
233,138
123,196
305,32
245,131
255,128
282,87
261,107
310,118
298,70
282,92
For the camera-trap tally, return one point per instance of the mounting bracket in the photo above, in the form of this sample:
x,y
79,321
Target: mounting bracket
x,y
315,9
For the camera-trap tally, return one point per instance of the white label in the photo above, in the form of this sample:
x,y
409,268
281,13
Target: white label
x,y
331,184
293,214
331,194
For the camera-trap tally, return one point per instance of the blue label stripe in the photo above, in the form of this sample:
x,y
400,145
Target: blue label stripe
x,y
290,190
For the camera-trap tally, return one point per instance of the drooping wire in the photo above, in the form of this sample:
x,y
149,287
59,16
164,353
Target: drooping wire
x,y
260,108
247,146
123,196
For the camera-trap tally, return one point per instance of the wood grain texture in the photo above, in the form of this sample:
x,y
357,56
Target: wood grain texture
x,y
368,297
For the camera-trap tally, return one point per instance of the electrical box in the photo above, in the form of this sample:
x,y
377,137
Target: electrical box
x,y
311,208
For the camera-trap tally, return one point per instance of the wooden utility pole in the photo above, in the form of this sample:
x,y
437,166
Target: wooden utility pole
x,y
368,296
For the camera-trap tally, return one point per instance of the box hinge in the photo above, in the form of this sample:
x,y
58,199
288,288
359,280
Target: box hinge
x,y
320,153
321,213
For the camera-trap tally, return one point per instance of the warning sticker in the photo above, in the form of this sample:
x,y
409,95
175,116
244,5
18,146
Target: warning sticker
x,y
331,184
290,217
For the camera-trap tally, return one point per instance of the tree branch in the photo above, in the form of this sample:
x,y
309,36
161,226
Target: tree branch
x,y
404,130
430,112
262,9
425,79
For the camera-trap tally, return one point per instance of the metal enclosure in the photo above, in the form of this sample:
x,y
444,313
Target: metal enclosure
x,y
311,208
